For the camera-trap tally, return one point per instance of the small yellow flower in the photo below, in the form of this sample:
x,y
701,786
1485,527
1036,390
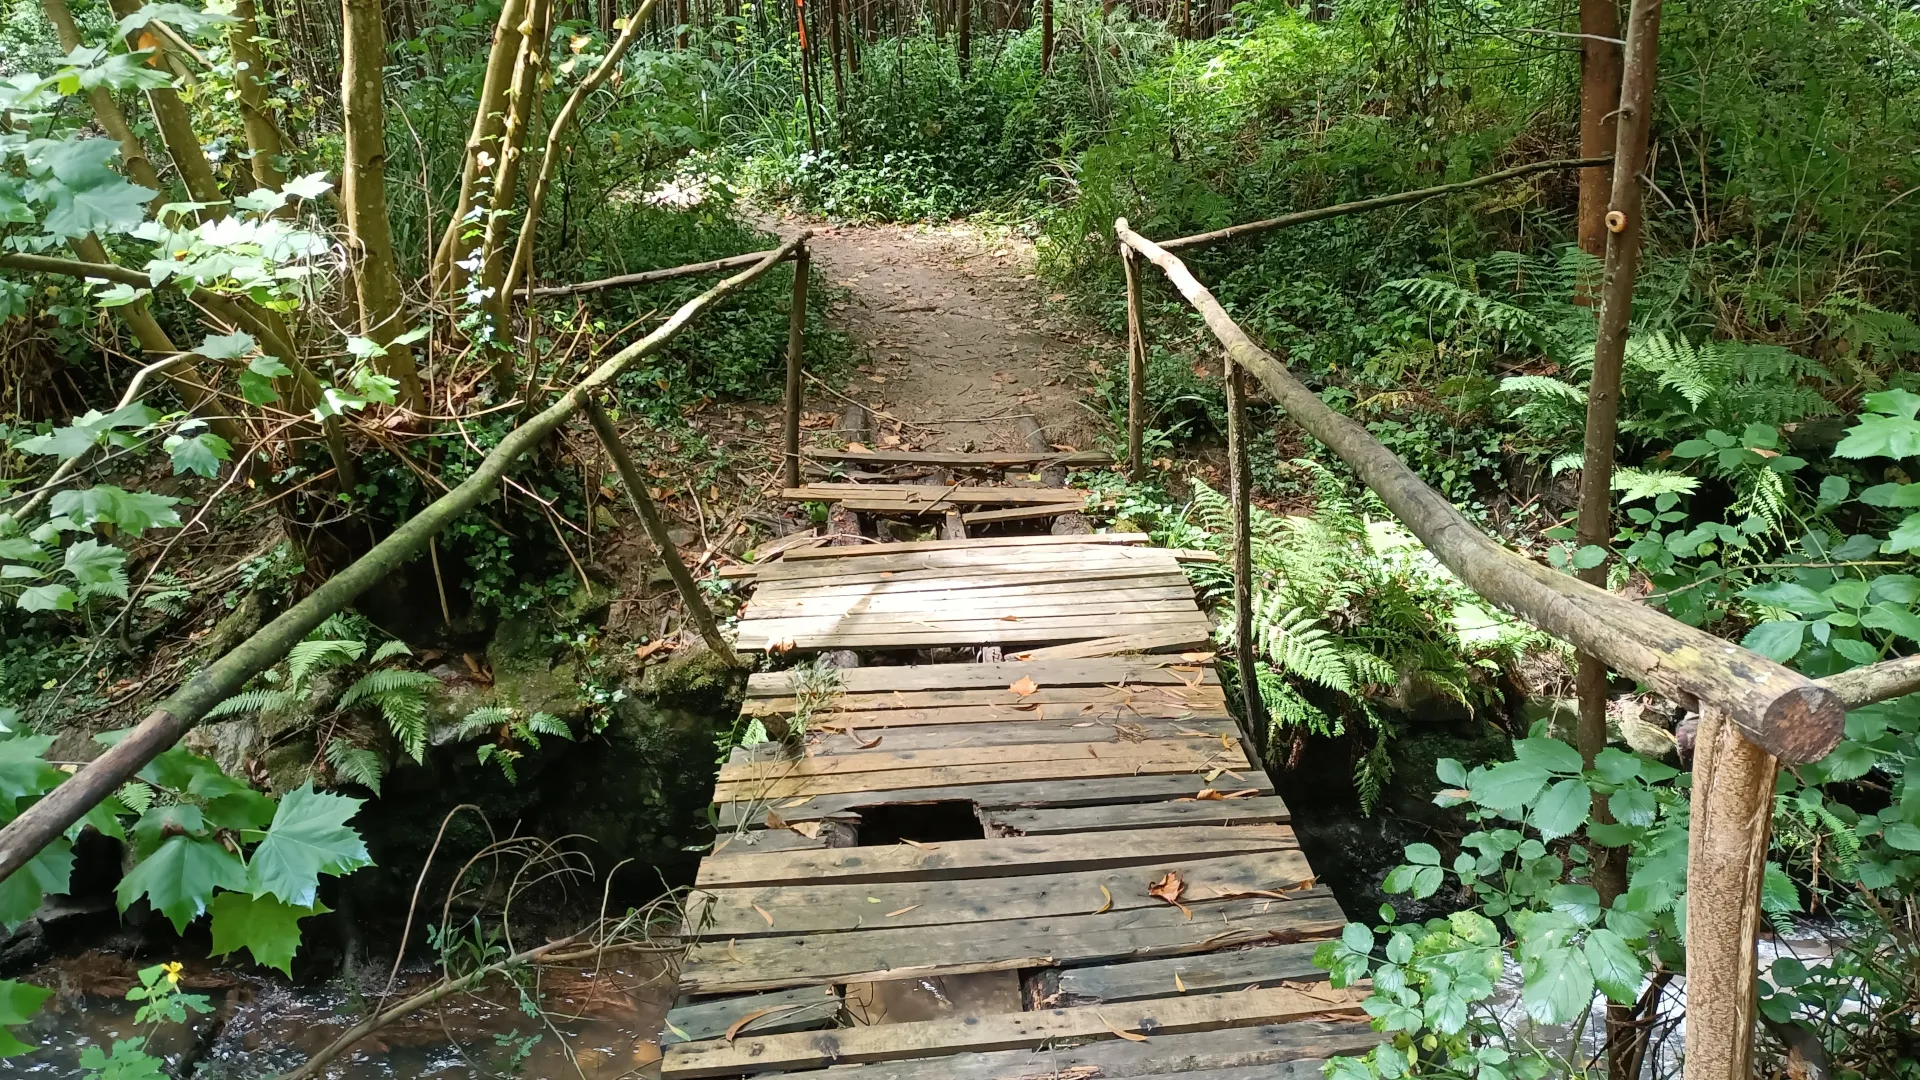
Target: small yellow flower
x,y
173,972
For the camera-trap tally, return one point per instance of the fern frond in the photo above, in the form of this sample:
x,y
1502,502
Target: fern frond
x,y
137,797
389,650
548,724
1544,386
355,765
376,684
261,699
1287,709
1296,644
481,720
310,656
1635,484
1763,493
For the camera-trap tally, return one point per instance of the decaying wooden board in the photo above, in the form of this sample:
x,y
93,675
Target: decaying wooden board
x,y
766,963
778,786
931,495
1269,1052
1240,811
826,737
1188,634
996,795
995,459
1038,693
914,677
1000,857
1045,891
1219,972
891,1042
1205,753
801,1009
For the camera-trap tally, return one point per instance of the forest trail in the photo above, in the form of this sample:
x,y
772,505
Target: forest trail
x,y
959,342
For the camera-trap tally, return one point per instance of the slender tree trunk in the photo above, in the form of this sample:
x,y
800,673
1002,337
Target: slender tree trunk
x,y
176,132
1599,96
963,36
1046,35
806,81
562,123
363,194
251,82
133,154
522,100
483,143
839,80
1609,866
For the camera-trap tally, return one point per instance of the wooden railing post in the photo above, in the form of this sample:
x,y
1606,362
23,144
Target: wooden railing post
x,y
1732,819
1136,367
636,484
1240,477
796,353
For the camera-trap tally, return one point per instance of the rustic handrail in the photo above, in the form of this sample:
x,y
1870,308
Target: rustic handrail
x,y
1789,714
24,836
1380,202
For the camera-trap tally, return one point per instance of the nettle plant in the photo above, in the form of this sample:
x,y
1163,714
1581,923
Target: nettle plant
x,y
1525,866
201,844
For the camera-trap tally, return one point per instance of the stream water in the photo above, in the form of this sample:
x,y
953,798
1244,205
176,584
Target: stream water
x,y
604,1025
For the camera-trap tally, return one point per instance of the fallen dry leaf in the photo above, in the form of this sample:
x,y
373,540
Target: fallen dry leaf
x,y
1197,657
808,829
1108,906
1009,618
1204,795
764,914
859,448
1170,887
732,955
737,1026
780,646
864,744
641,652
902,911
918,844
775,821
1092,753
1024,687
1177,984
1130,1036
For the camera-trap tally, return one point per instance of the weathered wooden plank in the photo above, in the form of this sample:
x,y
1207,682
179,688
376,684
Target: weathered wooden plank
x,y
938,616
950,580
1027,570
823,908
993,795
1218,972
930,495
995,714
1145,631
762,840
828,741
1292,1051
1070,940
908,677
1042,694
777,786
995,459
1188,634
803,1008
1241,811
1014,513
1206,753
1053,599
1057,556
1000,857
1006,1031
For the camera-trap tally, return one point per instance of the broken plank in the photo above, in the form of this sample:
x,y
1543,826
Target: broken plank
x,y
1293,1051
1041,694
1211,973
1203,753
1243,811
978,543
1015,513
929,951
1005,1031
937,617
999,674
1002,857
778,786
1187,635
1058,599
821,908
929,495
995,459
801,1009
1012,581
987,795
826,740
1013,712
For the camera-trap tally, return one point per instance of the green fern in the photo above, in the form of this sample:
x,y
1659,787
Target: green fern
x,y
1296,644
388,650
355,765
481,720
260,699
401,698
308,657
135,796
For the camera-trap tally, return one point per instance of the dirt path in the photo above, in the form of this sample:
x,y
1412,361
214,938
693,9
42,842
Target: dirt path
x,y
958,336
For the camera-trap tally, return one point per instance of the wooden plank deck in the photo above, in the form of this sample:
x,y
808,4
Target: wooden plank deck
x,y
1069,866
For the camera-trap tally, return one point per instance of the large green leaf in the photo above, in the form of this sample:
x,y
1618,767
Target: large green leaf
x,y
179,878
132,512
1881,436
1777,641
1549,754
1557,985
160,822
24,771
47,872
98,567
1617,969
309,837
1509,786
262,925
18,1002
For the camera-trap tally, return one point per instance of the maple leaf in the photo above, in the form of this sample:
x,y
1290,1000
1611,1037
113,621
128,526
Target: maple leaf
x,y
262,925
1024,687
1170,887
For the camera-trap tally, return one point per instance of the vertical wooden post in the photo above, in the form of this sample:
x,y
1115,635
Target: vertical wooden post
x,y
1136,366
1240,476
690,597
1046,36
796,353
1726,864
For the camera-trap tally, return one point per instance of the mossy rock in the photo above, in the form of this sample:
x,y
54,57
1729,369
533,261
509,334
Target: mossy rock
x,y
694,677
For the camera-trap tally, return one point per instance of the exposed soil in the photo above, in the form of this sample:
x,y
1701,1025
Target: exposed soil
x,y
959,340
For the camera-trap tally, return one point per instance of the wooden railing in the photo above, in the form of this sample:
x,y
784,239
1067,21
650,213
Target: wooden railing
x,y
61,808
1755,714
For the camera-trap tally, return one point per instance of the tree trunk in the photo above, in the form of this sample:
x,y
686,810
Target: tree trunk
x,y
251,82
177,134
133,154
963,36
522,101
1046,35
1600,63
363,194
488,119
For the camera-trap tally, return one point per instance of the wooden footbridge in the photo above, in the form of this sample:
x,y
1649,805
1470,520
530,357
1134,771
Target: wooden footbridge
x,y
1058,857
